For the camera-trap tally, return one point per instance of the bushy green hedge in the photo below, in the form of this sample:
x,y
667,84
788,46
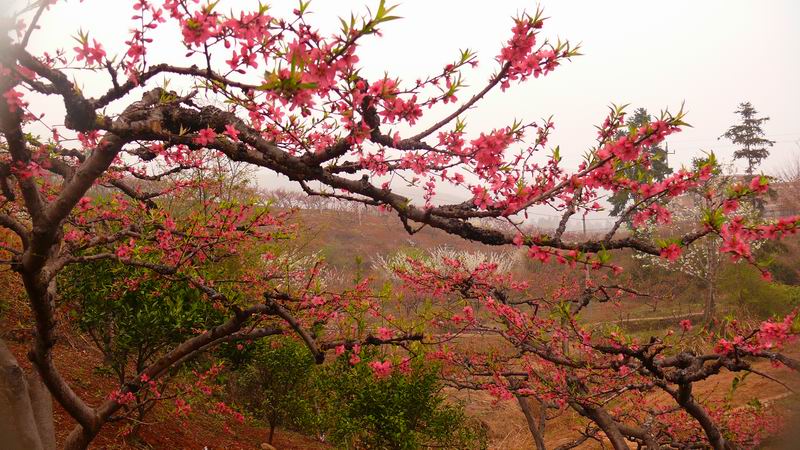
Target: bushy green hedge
x,y
349,407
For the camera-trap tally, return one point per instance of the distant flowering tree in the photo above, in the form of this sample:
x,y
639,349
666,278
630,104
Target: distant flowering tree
x,y
703,260
280,95
437,258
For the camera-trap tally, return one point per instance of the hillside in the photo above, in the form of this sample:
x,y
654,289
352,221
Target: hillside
x,y
344,239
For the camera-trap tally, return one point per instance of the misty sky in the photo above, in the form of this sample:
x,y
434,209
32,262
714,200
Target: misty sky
x,y
709,54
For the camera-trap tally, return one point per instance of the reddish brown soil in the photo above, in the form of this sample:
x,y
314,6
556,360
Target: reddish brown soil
x,y
163,431
341,237
77,358
508,430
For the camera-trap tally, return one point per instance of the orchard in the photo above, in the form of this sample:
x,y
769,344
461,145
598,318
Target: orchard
x,y
130,207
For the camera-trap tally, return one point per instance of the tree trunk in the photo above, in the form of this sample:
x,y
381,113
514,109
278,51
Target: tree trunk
x,y
710,309
271,432
712,269
715,437
603,420
26,409
536,427
78,439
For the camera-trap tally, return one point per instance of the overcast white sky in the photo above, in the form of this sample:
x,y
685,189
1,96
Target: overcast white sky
x,y
710,54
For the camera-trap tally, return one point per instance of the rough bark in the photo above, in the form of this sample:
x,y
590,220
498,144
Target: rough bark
x,y
535,426
26,410
715,437
606,423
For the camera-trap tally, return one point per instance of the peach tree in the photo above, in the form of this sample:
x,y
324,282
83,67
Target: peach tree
x,y
278,94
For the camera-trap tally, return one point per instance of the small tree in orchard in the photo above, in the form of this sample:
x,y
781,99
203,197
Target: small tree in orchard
x,y
274,383
278,94
369,400
748,137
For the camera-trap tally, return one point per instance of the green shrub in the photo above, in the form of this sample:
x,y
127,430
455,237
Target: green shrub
x,y
277,381
273,384
133,317
779,257
401,411
131,314
743,287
